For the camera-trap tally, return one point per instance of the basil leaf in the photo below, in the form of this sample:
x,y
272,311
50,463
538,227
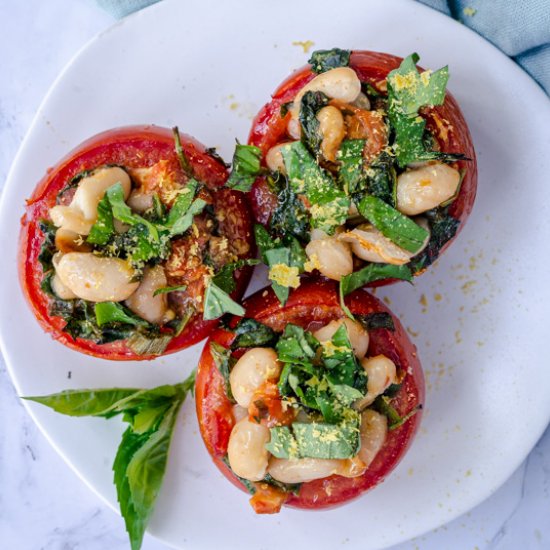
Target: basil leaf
x,y
225,279
104,227
311,104
113,312
138,245
371,273
180,216
296,345
339,358
325,60
250,333
263,241
217,303
408,91
47,248
246,167
167,289
382,178
286,264
282,443
329,205
351,174
345,394
223,361
397,227
373,321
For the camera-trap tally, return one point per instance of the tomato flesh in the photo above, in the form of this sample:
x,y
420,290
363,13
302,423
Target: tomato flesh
x,y
314,304
131,147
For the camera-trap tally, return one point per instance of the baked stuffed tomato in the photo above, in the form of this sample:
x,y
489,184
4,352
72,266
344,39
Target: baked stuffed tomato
x,y
132,247
368,161
302,405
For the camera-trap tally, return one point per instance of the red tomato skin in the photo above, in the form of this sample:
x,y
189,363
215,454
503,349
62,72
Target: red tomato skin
x,y
133,147
446,122
314,304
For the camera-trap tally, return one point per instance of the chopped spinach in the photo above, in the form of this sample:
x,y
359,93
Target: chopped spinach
x,y
250,333
325,60
47,248
311,104
224,363
373,321
382,178
225,278
290,217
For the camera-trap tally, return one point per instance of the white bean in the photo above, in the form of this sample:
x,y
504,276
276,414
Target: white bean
x,y
341,83
69,241
333,130
239,413
81,214
425,188
330,256
374,428
96,278
302,470
358,336
381,373
140,202
274,158
246,450
370,245
255,367
362,102
60,290
142,302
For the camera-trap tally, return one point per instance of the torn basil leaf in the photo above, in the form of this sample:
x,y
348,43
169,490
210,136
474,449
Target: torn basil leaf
x,y
397,227
167,289
142,455
408,91
250,333
246,167
286,263
296,345
217,303
180,217
381,178
290,217
351,174
325,60
282,443
104,227
371,273
339,358
224,362
225,278
329,205
113,312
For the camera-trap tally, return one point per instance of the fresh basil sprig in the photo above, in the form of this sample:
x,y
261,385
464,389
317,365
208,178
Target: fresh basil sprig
x,y
141,458
246,167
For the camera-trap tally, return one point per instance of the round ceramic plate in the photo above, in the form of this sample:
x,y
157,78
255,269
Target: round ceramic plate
x,y
477,316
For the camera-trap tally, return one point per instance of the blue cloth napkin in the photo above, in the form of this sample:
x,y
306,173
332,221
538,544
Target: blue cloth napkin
x,y
520,28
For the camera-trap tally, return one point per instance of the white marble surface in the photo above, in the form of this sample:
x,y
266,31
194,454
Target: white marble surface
x,y
43,505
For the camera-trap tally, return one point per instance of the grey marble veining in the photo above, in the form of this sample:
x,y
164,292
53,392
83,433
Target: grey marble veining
x,y
43,504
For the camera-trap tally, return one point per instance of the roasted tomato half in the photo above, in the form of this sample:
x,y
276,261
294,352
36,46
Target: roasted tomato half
x,y
122,240
369,161
303,406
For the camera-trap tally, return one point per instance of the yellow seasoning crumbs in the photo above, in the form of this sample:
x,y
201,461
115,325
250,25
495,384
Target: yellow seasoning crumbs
x,y
285,275
330,349
469,11
312,263
306,45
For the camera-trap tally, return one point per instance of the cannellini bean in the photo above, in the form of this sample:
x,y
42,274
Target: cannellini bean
x,y
142,302
333,130
246,450
358,336
140,202
425,188
239,413
329,255
69,241
362,102
381,373
255,367
374,428
351,467
96,278
60,290
341,83
81,214
370,245
302,470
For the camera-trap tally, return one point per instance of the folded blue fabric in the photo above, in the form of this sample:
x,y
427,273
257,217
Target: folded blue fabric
x,y
521,29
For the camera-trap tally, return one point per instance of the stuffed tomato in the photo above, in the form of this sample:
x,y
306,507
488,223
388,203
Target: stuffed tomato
x,y
368,161
131,247
303,406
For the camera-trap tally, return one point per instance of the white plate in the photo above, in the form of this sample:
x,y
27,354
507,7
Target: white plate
x,y
479,316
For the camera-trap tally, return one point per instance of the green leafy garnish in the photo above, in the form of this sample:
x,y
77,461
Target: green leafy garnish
x,y
142,455
351,173
225,278
395,420
311,104
113,312
167,289
104,227
397,227
373,321
324,60
224,362
218,302
382,178
47,248
180,217
182,158
408,91
290,217
246,167
250,333
329,205
369,274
